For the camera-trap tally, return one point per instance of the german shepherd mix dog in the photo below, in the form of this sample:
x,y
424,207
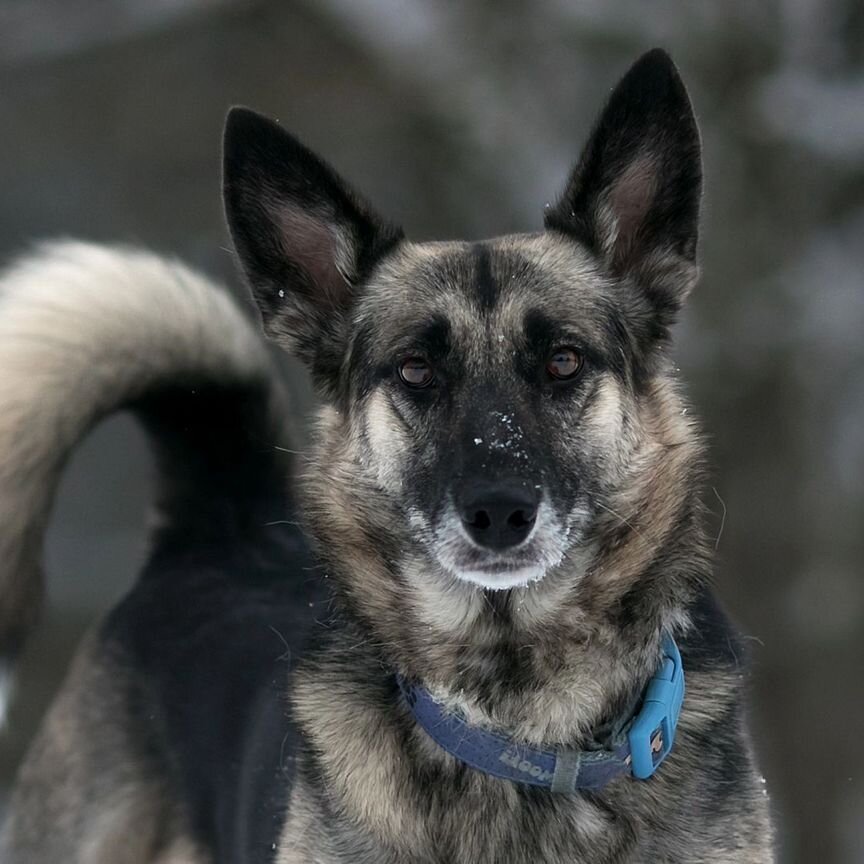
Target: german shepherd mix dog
x,y
503,543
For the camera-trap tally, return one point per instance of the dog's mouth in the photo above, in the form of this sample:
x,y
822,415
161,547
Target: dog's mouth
x,y
500,577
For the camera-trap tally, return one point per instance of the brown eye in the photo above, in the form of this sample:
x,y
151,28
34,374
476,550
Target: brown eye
x,y
416,372
563,364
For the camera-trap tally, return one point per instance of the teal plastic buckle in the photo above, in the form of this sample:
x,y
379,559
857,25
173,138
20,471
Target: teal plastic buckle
x,y
653,731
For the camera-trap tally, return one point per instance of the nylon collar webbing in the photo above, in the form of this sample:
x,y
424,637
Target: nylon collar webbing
x,y
637,750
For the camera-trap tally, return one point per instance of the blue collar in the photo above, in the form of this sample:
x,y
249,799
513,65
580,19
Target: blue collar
x,y
638,749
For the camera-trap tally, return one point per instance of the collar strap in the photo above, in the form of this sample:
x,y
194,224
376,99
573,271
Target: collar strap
x,y
638,750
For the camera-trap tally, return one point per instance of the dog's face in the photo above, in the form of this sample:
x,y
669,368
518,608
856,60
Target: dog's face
x,y
489,395
491,398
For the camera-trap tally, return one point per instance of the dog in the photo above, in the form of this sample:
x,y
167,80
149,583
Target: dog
x,y
479,627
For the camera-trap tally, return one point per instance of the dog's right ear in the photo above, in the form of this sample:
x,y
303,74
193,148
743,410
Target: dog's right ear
x,y
305,239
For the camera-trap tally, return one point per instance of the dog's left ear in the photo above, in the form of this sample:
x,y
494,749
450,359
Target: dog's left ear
x,y
633,198
305,239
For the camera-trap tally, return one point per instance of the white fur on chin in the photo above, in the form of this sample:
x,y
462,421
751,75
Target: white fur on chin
x,y
501,581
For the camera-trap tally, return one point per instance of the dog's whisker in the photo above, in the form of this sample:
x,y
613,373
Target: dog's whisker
x,y
288,450
722,518
282,751
286,655
617,515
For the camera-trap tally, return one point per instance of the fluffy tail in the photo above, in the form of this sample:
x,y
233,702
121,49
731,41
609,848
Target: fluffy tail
x,y
86,330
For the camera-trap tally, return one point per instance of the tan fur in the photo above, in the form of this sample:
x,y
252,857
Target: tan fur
x,y
396,810
374,787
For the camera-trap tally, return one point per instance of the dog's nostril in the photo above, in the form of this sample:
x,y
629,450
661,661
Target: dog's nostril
x,y
479,520
522,518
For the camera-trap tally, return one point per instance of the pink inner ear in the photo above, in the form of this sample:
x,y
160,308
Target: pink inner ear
x,y
311,242
630,199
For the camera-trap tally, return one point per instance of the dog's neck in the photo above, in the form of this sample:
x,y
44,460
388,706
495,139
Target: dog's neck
x,y
534,660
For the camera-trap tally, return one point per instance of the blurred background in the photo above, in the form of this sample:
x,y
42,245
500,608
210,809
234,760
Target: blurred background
x,y
462,119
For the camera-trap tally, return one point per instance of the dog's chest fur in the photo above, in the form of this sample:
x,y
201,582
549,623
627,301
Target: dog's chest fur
x,y
371,787
395,797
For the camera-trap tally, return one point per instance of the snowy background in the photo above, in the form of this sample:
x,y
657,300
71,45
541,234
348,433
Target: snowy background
x,y
462,119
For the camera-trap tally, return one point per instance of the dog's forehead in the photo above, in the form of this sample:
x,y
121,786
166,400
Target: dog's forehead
x,y
494,287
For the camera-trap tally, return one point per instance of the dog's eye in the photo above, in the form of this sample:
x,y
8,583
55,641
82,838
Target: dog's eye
x,y
416,372
564,364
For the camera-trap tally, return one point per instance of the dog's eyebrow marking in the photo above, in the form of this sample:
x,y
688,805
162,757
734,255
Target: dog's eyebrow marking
x,y
544,333
434,335
540,330
485,286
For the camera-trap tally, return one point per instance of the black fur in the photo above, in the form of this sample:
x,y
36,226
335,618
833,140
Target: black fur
x,y
213,631
197,430
486,287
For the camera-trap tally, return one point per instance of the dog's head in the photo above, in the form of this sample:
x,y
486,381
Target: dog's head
x,y
487,405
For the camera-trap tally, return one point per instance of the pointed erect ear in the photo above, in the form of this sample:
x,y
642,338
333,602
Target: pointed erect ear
x,y
633,198
305,239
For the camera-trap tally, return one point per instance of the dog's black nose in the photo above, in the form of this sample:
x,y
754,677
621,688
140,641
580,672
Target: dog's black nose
x,y
498,515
